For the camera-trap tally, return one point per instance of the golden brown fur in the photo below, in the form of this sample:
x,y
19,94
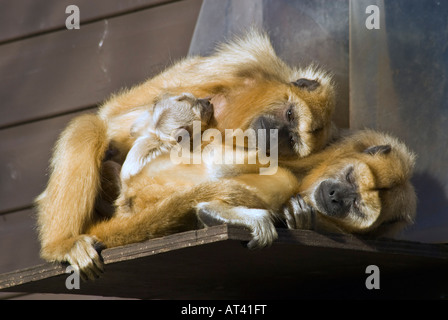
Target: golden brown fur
x,y
385,198
244,79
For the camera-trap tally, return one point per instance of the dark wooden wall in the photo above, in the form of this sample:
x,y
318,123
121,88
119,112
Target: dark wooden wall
x,y
49,74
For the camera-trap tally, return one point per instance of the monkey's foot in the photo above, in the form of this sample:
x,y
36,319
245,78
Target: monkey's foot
x,y
257,220
85,257
299,214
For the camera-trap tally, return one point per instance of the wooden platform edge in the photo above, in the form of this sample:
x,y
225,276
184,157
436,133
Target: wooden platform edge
x,y
225,232
132,251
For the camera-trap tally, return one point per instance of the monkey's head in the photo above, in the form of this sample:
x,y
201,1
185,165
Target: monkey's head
x,y
364,185
297,103
251,87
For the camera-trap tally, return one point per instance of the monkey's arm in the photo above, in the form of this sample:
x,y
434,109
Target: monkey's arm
x,y
259,221
177,212
301,215
298,214
144,149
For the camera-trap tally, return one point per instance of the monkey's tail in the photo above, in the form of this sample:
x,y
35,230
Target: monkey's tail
x,y
66,206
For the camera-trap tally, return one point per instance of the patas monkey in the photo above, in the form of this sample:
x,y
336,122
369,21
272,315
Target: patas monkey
x,y
249,87
358,185
363,188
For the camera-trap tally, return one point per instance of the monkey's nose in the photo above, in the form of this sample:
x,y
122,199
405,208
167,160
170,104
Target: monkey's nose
x,y
334,196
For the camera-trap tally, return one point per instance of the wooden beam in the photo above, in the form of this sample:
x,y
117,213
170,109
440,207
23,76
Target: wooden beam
x,y
19,245
28,17
24,159
213,263
68,70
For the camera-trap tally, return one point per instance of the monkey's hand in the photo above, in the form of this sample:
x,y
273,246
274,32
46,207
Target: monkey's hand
x,y
257,220
299,214
145,149
85,258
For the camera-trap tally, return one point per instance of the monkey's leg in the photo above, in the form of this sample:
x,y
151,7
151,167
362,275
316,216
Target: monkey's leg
x,y
177,212
66,207
259,221
150,218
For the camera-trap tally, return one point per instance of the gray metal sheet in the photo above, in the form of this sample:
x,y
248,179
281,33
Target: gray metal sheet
x,y
398,83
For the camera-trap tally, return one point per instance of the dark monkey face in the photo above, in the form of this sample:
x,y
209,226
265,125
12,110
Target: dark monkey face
x,y
363,184
337,197
286,125
302,119
352,191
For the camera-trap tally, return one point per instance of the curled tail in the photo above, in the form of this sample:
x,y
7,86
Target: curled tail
x,y
65,208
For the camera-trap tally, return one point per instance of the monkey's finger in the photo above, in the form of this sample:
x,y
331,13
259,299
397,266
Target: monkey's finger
x,y
305,219
295,210
92,271
83,273
306,208
263,234
253,244
290,220
95,266
313,219
86,257
89,269
301,203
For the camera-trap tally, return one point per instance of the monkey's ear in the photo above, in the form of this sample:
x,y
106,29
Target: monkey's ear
x,y
307,84
381,149
219,103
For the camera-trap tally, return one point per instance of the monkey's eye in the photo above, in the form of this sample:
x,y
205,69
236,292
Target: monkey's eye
x,y
317,130
290,114
349,176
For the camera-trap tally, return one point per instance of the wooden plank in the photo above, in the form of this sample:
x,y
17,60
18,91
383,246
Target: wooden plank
x,y
19,247
124,253
212,264
52,297
24,18
71,69
24,158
